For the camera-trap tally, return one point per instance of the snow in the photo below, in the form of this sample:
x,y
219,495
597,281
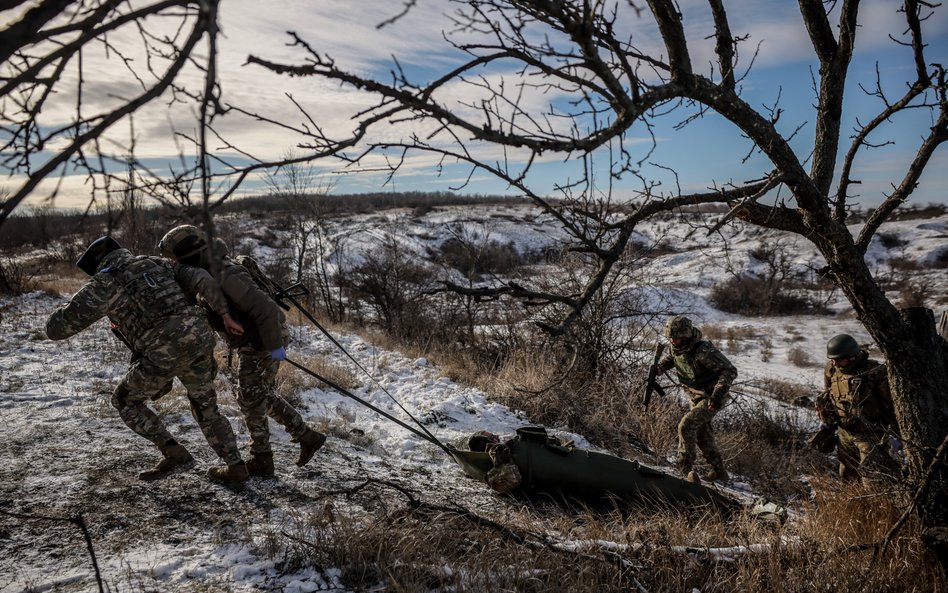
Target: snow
x,y
66,451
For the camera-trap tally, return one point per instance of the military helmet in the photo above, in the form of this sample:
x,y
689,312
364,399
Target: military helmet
x,y
678,327
182,242
89,261
842,346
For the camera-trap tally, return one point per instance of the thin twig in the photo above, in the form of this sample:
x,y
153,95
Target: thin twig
x,y
922,489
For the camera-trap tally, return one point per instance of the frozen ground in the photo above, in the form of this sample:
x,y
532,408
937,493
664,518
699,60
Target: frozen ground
x,y
65,452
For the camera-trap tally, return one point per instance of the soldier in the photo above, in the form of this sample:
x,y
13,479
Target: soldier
x,y
706,375
259,350
144,302
857,404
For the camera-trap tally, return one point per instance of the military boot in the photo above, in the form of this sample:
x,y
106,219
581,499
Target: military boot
x,y
684,464
176,459
261,464
717,474
310,442
232,475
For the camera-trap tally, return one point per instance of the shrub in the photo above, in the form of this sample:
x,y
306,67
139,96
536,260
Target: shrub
x,y
475,259
15,278
800,357
892,240
750,295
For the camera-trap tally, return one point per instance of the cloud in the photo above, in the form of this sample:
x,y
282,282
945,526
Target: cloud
x,y
348,32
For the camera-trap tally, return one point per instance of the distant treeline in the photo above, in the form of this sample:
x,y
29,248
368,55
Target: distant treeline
x,y
362,203
37,227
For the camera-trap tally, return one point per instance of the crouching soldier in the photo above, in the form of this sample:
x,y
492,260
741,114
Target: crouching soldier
x,y
260,349
857,403
144,302
706,375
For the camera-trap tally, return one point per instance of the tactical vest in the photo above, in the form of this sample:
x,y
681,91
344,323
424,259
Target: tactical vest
x,y
149,295
692,375
852,397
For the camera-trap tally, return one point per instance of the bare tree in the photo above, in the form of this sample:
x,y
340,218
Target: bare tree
x,y
298,185
60,117
578,52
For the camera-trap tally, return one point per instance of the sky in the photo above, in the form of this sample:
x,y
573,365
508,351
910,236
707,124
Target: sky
x,y
708,152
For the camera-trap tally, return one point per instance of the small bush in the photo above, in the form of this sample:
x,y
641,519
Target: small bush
x,y
752,296
785,391
800,357
903,264
15,277
476,260
892,240
766,349
915,293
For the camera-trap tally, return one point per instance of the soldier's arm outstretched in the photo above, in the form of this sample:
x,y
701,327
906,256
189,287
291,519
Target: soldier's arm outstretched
x,y
86,307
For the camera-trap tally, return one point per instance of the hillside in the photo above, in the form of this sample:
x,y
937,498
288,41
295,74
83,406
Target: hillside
x,y
345,521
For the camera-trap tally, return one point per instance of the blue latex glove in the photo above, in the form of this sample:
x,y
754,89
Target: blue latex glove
x,y
278,354
895,445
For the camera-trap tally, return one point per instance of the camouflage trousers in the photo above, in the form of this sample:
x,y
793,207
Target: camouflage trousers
x,y
861,458
694,432
258,399
147,380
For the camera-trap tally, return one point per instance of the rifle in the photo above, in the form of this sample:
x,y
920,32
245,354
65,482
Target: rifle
x,y
651,383
293,290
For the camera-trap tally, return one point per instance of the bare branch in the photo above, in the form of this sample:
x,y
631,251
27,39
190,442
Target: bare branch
x,y
724,45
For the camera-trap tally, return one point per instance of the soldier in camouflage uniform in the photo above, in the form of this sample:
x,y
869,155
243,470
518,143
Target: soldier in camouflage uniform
x,y
145,303
259,350
857,403
706,375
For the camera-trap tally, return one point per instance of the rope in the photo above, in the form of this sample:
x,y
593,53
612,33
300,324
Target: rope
x,y
426,435
430,437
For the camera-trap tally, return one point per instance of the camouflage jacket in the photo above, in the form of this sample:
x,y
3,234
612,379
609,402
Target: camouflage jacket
x,y
701,368
142,298
858,398
262,318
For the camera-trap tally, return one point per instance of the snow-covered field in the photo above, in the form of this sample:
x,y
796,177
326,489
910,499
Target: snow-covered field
x,y
64,451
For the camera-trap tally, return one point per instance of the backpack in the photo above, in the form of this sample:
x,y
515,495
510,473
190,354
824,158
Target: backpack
x,y
263,282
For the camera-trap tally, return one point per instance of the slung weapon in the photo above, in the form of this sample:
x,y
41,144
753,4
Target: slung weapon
x,y
651,383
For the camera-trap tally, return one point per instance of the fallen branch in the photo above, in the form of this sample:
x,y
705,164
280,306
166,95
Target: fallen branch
x,y
77,521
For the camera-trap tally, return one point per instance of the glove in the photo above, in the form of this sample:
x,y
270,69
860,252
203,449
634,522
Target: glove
x,y
278,354
895,445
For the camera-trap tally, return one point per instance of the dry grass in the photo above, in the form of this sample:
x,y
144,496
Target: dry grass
x,y
786,391
414,546
60,278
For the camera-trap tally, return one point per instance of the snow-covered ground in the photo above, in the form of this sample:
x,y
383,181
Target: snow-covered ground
x,y
64,451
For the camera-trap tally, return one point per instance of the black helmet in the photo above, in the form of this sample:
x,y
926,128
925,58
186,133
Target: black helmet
x,y
95,253
842,346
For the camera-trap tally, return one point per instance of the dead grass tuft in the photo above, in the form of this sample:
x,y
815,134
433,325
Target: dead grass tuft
x,y
60,278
